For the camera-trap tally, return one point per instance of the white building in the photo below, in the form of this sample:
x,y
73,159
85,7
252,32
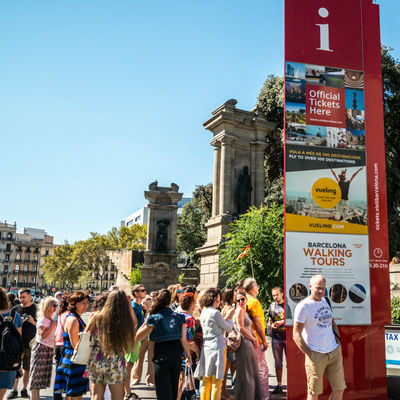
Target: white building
x,y
141,216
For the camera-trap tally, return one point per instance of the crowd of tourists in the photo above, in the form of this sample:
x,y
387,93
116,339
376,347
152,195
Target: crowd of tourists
x,y
193,341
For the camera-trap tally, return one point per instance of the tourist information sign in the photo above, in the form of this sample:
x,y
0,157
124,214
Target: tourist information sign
x,y
335,184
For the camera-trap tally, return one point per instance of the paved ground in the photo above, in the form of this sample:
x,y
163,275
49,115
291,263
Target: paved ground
x,y
148,393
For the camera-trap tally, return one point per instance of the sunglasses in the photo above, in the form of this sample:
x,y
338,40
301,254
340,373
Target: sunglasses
x,y
54,305
141,290
241,299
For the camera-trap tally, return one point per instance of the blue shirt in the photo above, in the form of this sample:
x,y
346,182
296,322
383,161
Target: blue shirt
x,y
138,309
167,325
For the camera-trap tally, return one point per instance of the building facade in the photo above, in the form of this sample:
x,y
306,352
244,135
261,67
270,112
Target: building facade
x,y
22,257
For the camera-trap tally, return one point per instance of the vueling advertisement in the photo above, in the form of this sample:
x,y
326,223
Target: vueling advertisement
x,y
325,150
342,259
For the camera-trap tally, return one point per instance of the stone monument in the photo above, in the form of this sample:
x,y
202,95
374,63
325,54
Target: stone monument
x,y
160,266
238,183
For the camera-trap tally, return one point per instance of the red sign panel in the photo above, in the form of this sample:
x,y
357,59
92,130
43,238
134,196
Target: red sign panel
x,y
334,116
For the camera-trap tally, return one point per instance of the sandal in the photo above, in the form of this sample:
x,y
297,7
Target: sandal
x,y
134,396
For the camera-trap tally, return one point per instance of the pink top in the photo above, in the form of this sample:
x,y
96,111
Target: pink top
x,y
60,328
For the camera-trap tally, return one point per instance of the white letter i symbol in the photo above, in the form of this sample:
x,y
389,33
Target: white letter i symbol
x,y
323,31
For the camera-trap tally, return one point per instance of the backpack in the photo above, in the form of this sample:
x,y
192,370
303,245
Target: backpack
x,y
11,345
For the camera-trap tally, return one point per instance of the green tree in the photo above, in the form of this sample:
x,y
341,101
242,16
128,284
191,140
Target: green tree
x,y
59,268
395,310
270,102
391,100
191,231
126,238
136,276
92,258
262,229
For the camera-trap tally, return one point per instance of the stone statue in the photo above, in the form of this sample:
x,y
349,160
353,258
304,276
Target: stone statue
x,y
162,236
243,191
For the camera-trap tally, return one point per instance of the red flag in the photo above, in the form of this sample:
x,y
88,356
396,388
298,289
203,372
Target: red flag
x,y
244,252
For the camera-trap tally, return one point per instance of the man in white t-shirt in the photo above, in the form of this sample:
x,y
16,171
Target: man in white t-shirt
x,y
314,332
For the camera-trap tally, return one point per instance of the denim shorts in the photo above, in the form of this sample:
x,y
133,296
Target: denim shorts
x,y
7,379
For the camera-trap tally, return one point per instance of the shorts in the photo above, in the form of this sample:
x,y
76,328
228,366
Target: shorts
x,y
7,379
329,363
109,370
26,360
278,345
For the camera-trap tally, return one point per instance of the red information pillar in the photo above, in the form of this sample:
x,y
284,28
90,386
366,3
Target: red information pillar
x,y
323,38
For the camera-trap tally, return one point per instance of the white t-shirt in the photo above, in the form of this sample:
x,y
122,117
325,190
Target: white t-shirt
x,y
49,341
317,319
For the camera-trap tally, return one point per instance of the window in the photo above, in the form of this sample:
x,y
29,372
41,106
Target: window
x,y
112,277
33,280
34,268
18,256
47,253
9,235
17,268
6,268
138,218
129,223
36,249
26,268
36,257
16,279
7,257
19,248
8,247
27,257
25,279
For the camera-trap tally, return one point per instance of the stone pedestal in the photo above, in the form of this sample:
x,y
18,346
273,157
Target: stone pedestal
x,y
160,267
239,143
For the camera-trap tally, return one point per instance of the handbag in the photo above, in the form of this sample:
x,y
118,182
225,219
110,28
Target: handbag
x,y
234,340
268,330
84,349
187,393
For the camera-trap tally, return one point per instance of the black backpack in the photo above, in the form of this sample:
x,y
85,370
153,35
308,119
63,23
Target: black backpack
x,y
11,345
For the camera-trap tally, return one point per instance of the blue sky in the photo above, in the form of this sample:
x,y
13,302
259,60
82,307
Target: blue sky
x,y
100,98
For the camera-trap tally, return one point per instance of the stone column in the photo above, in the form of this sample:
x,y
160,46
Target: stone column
x,y
217,164
225,198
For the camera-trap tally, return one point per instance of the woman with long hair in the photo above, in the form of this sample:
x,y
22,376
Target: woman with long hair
x,y
43,348
113,329
246,383
7,378
211,367
69,376
168,332
228,302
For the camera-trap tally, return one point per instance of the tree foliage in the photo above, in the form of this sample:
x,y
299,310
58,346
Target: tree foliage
x,y
136,276
262,229
191,231
127,238
76,264
391,100
395,310
59,268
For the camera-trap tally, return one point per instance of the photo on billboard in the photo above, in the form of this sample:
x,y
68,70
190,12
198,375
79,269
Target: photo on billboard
x,y
343,261
330,200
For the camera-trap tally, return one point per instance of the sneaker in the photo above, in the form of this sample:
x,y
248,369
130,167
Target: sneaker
x,y
24,394
13,394
277,390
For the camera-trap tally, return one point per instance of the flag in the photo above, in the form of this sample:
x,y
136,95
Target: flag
x,y
243,253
